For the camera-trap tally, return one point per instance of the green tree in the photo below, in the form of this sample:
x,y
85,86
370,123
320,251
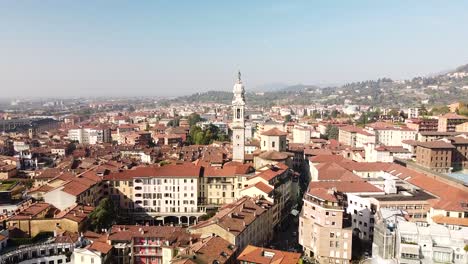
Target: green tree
x,y
331,132
334,113
287,118
193,119
463,110
103,215
440,110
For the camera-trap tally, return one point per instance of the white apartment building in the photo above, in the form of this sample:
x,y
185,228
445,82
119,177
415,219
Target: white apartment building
x,y
398,240
170,190
301,134
89,135
393,136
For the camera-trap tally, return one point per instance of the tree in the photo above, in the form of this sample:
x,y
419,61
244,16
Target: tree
x,y
193,119
103,215
287,118
334,113
206,136
463,111
440,110
331,132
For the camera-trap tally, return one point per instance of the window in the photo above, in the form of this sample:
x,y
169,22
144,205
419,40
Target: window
x,y
238,113
273,144
332,234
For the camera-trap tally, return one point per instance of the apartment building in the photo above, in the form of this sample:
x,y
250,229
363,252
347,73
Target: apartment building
x,y
324,229
149,192
90,135
301,134
147,244
354,136
435,155
392,136
409,242
422,124
449,122
35,218
220,186
249,220
66,190
276,181
208,250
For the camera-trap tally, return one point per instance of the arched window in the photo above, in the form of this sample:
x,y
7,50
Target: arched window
x,y
238,113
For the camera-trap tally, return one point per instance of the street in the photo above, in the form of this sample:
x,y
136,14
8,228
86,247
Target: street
x,y
287,237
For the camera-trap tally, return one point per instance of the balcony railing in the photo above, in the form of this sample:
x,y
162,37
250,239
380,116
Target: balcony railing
x,y
35,251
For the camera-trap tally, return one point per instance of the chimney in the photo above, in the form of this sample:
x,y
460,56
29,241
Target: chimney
x,y
243,222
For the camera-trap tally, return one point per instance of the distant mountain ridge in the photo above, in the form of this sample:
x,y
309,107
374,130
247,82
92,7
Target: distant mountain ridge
x,y
440,88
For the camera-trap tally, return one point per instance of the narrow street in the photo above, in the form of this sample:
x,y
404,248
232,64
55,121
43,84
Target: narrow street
x,y
287,238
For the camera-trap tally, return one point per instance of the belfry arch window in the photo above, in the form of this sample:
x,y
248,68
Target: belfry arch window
x,y
238,113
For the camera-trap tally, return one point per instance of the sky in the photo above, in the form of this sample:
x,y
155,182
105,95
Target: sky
x,y
167,48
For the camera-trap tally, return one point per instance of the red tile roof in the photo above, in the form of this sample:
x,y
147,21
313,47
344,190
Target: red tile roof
x,y
184,170
258,255
274,132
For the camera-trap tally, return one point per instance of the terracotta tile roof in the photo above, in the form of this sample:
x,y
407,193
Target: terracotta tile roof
x,y
438,144
262,187
184,170
444,220
33,211
76,213
275,132
208,250
355,129
100,247
174,235
328,158
450,198
274,155
272,172
365,166
334,171
229,170
317,152
237,216
346,186
323,194
253,254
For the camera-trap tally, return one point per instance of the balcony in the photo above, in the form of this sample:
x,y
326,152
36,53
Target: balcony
x,y
35,251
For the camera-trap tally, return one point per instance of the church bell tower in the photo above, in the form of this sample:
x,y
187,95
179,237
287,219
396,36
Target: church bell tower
x,y
238,121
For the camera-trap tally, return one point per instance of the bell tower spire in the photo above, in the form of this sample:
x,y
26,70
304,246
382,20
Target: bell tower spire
x,y
238,121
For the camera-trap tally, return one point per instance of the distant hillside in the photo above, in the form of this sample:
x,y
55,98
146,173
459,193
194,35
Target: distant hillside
x,y
385,92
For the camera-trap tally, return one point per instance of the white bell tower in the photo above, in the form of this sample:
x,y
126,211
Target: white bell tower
x,y
238,121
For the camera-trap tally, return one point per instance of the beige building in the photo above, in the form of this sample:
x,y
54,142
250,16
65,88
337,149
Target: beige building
x,y
220,186
448,122
246,221
354,136
273,139
43,217
324,232
463,127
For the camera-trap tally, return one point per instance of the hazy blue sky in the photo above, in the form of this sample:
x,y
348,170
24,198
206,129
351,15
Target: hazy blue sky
x,y
172,47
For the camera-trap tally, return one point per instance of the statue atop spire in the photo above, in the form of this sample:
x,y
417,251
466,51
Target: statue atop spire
x,y
239,77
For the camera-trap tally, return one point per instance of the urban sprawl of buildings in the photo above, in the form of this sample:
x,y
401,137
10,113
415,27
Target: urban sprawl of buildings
x,y
114,181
